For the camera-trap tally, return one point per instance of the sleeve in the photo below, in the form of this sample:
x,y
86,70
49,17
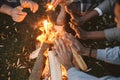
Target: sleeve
x,y
73,73
109,78
112,34
110,55
105,6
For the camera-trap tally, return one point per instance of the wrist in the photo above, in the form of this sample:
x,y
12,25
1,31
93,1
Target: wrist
x,y
68,66
6,10
91,15
92,53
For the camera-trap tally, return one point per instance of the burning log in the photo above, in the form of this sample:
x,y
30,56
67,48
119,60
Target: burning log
x,y
79,60
55,69
39,64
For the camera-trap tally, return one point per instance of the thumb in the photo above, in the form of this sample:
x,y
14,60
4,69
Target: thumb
x,y
19,8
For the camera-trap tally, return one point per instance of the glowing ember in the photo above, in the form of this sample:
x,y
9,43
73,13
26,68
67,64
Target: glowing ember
x,y
50,7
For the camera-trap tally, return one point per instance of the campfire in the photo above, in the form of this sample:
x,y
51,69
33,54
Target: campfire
x,y
46,66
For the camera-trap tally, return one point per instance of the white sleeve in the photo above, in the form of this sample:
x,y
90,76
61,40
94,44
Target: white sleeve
x,y
99,11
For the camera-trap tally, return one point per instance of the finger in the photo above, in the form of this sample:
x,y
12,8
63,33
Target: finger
x,y
57,46
74,21
22,13
31,6
54,50
21,17
53,1
63,45
56,3
19,8
35,8
69,50
60,46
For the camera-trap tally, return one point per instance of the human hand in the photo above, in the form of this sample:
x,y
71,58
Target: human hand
x,y
63,53
74,43
80,33
29,4
17,14
55,3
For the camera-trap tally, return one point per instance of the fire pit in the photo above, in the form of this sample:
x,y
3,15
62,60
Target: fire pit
x,y
46,66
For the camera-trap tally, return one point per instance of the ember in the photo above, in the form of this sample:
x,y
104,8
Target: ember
x,y
50,7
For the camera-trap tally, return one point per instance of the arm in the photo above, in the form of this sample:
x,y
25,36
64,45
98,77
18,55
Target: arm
x,y
104,7
16,13
73,73
29,4
63,54
92,35
111,34
62,16
6,9
111,55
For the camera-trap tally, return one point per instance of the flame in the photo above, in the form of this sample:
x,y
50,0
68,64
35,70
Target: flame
x,y
48,35
48,32
50,7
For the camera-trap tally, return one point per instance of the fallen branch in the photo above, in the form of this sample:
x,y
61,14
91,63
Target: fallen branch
x,y
55,69
79,60
39,64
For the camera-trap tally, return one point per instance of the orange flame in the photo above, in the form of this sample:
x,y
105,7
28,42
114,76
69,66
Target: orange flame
x,y
48,32
48,35
50,7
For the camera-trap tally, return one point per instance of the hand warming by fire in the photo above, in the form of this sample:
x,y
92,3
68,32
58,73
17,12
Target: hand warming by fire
x,y
53,51
58,54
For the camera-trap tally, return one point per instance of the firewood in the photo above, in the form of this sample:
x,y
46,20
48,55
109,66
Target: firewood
x,y
79,60
39,64
34,54
55,69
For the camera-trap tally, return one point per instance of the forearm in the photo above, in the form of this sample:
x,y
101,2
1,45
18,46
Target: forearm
x,y
6,9
91,14
94,35
61,17
73,73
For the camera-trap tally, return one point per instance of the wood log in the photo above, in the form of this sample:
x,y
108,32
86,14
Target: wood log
x,y
79,60
56,73
39,64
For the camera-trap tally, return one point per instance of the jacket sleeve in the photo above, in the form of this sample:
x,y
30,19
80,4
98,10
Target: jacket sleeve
x,y
110,55
74,74
105,6
112,34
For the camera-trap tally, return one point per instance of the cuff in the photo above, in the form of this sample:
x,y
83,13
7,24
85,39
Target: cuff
x,y
99,11
101,54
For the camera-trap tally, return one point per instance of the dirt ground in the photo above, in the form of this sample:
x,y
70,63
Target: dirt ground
x,y
17,41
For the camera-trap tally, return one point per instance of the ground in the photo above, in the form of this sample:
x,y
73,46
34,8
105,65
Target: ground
x,y
17,41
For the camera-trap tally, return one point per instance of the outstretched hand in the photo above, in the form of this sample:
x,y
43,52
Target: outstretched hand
x,y
29,4
63,53
17,14
74,43
55,3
